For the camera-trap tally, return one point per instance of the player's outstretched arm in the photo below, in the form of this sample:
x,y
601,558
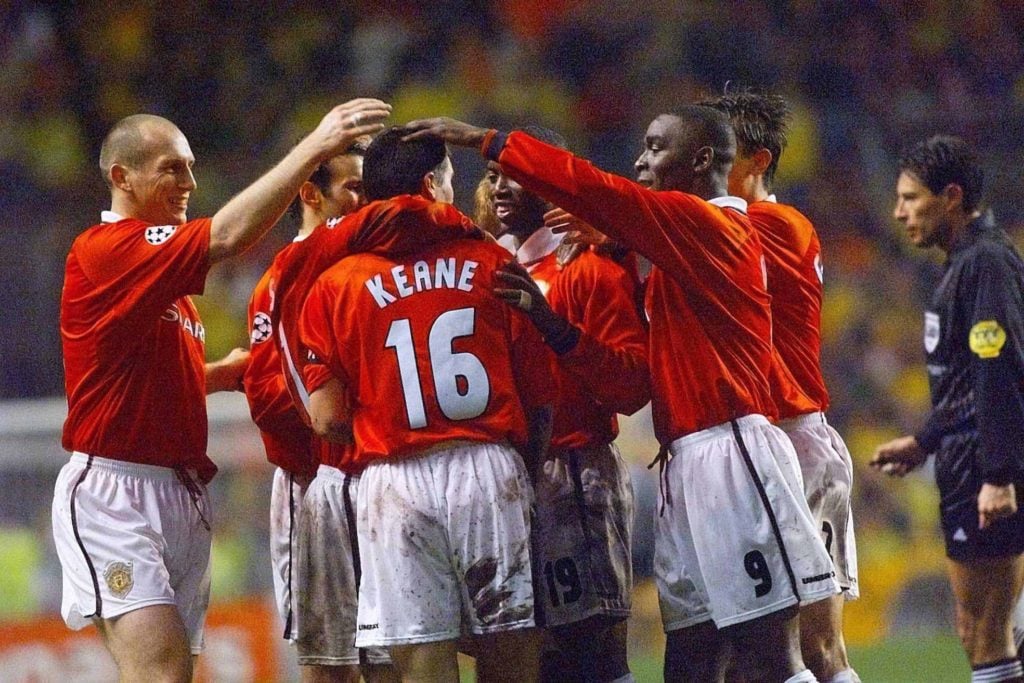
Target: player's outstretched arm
x,y
226,374
254,210
451,131
899,456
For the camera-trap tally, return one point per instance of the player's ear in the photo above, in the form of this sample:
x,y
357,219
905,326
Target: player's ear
x,y
953,195
119,177
703,159
310,195
428,187
761,159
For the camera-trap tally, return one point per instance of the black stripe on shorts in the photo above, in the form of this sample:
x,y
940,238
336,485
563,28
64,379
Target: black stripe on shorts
x,y
98,613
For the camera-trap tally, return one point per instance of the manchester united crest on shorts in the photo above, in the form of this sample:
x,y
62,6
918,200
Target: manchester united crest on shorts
x,y
119,578
158,234
261,328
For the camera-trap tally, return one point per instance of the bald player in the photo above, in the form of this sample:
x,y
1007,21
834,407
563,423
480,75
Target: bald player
x,y
130,510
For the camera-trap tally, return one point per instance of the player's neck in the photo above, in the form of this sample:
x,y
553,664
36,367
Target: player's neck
x,y
955,229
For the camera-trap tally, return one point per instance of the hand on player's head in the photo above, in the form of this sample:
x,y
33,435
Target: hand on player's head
x,y
347,122
451,131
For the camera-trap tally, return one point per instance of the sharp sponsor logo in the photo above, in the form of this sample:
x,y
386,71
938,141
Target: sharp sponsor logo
x,y
193,327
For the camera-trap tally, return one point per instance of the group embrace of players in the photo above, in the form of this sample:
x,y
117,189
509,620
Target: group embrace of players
x,y
441,405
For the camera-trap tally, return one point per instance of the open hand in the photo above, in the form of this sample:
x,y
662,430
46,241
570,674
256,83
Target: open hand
x,y
346,123
576,230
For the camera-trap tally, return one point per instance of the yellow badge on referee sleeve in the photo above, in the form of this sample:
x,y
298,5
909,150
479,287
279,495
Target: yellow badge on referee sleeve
x,y
987,339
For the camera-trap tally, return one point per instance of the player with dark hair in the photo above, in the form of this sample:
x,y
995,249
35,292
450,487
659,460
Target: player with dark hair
x,y
974,346
434,378
584,520
793,258
305,562
130,510
736,547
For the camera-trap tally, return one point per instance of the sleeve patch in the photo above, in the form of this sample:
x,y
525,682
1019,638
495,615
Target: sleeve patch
x,y
158,234
261,328
987,339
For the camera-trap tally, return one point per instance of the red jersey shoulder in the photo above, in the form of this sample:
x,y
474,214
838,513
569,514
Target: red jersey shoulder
x,y
785,224
108,248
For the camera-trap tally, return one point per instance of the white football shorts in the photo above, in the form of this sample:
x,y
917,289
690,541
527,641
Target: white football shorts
x,y
582,536
285,507
734,538
828,484
445,542
131,536
327,574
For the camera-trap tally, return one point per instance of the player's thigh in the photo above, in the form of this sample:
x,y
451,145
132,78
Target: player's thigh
x,y
437,661
593,650
986,590
508,655
150,642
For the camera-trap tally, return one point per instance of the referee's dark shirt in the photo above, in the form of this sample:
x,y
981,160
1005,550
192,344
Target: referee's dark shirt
x,y
974,340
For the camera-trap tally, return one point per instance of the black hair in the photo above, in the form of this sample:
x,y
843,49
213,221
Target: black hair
x,y
393,167
322,177
942,160
713,129
760,121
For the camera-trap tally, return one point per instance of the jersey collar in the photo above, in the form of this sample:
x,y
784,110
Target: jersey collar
x,y
730,202
537,246
110,217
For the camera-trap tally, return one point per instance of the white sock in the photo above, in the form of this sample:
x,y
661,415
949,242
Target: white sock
x,y
1006,670
805,676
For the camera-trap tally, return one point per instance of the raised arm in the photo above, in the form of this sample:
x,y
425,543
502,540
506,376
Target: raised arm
x,y
253,211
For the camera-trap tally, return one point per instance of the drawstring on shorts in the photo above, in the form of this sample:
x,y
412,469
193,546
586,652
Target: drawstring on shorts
x,y
661,460
195,492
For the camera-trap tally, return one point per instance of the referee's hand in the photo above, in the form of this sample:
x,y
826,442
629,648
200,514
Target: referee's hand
x,y
899,456
995,502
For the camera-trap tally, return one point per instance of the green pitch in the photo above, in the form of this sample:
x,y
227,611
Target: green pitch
x,y
897,660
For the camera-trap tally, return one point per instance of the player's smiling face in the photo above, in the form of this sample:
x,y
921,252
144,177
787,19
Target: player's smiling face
x,y
921,212
665,163
519,212
161,185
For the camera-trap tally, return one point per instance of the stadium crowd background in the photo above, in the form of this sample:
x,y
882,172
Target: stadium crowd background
x,y
245,80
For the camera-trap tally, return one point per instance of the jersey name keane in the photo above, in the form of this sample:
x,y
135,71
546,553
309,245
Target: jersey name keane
x,y
445,273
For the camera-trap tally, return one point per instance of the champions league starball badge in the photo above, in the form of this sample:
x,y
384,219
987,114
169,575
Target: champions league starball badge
x,y
119,578
158,234
261,328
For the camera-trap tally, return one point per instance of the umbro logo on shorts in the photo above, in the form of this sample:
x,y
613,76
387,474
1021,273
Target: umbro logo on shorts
x,y
368,627
158,234
815,579
261,328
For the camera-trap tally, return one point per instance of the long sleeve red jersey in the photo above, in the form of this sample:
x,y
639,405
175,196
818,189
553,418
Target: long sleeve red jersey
x,y
793,255
287,440
606,372
707,299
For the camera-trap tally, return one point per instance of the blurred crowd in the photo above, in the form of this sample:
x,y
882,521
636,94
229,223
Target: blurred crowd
x,y
244,80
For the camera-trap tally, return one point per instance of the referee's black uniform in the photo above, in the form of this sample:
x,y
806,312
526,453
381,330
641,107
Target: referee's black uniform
x,y
974,339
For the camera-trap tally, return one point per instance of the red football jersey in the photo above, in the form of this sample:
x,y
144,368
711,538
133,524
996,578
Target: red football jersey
x,y
707,300
134,345
425,349
286,438
394,226
793,256
606,372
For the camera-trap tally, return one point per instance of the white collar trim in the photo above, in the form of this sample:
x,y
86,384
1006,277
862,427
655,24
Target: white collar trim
x,y
110,217
730,202
772,198
538,245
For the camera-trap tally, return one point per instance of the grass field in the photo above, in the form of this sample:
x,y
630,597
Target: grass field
x,y
897,660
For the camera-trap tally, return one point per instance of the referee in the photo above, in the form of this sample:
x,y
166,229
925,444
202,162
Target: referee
x,y
974,341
